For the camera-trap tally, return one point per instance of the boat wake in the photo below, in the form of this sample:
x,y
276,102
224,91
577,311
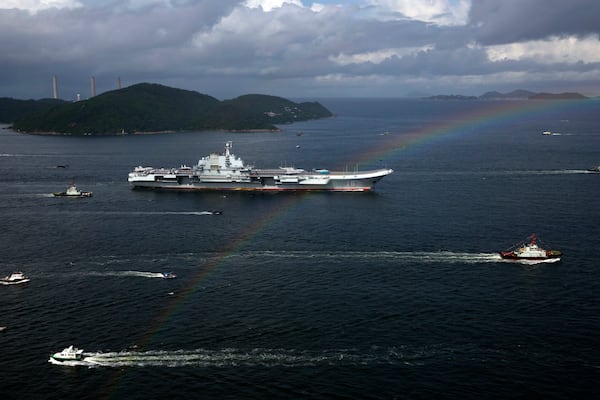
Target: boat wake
x,y
419,256
136,274
423,257
145,213
177,213
553,172
258,357
535,172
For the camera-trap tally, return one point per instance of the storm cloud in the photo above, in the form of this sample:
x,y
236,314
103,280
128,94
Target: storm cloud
x,y
299,48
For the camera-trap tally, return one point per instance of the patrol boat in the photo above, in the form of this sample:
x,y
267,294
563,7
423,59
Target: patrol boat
x,y
227,172
15,278
70,353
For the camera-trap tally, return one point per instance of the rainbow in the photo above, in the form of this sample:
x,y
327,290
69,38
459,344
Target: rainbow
x,y
497,112
213,264
492,113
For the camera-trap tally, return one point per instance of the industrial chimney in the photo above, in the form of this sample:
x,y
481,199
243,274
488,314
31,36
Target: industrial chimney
x,y
54,88
93,85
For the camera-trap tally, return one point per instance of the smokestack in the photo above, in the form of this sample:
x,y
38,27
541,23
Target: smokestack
x,y
119,83
93,84
54,88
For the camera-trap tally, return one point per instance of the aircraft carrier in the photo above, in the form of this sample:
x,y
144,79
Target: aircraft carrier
x,y
226,172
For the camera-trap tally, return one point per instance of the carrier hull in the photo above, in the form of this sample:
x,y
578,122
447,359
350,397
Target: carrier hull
x,y
226,172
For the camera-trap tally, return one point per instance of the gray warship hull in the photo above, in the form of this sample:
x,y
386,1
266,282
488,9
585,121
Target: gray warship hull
x,y
226,172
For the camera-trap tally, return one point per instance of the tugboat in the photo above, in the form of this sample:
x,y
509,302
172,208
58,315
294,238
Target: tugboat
x,y
14,279
68,354
529,250
72,191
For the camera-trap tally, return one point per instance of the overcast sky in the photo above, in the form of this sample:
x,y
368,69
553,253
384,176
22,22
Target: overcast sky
x,y
300,48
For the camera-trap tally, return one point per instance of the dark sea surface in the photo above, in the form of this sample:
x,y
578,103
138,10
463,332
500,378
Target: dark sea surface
x,y
394,294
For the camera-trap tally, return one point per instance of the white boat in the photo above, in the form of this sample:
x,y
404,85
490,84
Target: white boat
x,y
595,169
72,191
14,279
546,133
68,354
169,275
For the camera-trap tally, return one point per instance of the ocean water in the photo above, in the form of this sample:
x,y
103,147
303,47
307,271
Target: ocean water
x,y
394,294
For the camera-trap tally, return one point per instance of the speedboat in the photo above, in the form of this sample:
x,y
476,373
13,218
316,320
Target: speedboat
x,y
546,133
168,275
68,354
529,250
14,279
72,191
595,169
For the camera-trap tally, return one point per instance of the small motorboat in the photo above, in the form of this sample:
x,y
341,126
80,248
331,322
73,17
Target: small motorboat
x,y
546,133
15,278
595,169
72,191
530,251
168,275
68,354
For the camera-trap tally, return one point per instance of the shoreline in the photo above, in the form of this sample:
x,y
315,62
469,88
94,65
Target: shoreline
x,y
50,133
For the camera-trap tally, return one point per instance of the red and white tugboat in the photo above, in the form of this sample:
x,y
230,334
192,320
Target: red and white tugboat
x,y
529,251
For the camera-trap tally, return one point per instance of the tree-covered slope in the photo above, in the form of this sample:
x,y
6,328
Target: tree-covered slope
x,y
140,108
257,111
13,109
149,107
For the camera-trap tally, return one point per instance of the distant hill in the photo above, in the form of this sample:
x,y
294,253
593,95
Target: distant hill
x,y
13,109
514,95
558,96
451,97
147,107
519,94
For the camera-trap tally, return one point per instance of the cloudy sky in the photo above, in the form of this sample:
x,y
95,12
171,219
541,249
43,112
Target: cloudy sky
x,y
300,48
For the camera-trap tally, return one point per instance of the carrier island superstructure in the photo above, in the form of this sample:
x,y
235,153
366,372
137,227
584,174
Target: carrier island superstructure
x,y
227,172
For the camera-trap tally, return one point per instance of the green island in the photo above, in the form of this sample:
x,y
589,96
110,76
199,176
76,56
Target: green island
x,y
152,108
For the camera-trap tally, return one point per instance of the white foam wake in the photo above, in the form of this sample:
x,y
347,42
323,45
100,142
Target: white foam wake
x,y
137,274
414,256
257,357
